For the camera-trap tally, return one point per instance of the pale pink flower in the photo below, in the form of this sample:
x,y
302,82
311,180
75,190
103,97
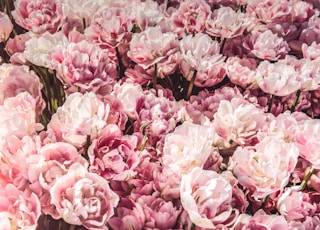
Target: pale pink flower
x,y
145,13
190,17
83,66
277,78
18,116
37,49
226,23
236,122
110,27
80,116
308,141
160,214
260,220
128,94
269,11
16,156
242,71
311,222
16,79
295,205
152,46
128,215
21,208
84,10
15,47
301,11
202,54
309,74
266,45
265,168
112,155
207,196
84,198
38,16
188,146
6,27
311,51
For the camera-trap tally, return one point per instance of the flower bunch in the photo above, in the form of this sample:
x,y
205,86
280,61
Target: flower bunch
x,y
159,114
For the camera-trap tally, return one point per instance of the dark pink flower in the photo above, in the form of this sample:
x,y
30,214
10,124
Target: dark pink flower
x,y
190,17
83,66
160,214
112,155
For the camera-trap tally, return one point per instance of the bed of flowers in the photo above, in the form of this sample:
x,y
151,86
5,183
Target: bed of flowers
x,y
163,114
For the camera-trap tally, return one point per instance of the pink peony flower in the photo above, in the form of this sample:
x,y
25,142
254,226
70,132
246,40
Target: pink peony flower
x,y
38,16
19,209
277,78
80,116
200,53
236,122
190,17
17,79
265,168
311,52
295,205
16,155
18,116
6,27
37,49
269,11
128,215
260,220
84,198
242,71
160,214
226,23
83,66
157,115
15,47
110,27
144,13
308,141
128,94
188,146
113,155
266,45
206,196
152,46
309,74
206,103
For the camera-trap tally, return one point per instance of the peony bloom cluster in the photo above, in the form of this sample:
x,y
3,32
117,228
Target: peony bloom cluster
x,y
157,114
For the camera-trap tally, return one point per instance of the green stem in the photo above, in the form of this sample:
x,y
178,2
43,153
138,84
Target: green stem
x,y
121,67
296,99
191,85
270,103
155,76
223,44
306,178
264,202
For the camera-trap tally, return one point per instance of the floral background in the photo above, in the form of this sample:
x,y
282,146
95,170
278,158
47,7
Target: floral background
x,y
164,114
